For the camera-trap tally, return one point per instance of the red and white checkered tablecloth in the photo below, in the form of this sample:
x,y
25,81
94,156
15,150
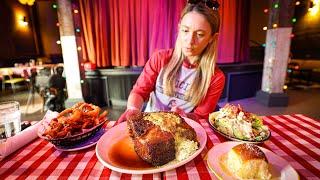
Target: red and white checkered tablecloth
x,y
296,138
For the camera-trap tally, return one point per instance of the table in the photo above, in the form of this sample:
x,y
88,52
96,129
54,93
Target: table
x,y
25,71
296,138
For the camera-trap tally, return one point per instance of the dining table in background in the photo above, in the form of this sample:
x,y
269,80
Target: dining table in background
x,y
25,71
296,138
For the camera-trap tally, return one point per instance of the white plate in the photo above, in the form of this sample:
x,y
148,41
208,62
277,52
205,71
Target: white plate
x,y
120,132
91,141
280,168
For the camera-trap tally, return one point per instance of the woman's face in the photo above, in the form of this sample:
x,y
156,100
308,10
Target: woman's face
x,y
194,34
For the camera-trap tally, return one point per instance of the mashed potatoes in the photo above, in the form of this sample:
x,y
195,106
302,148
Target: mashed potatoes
x,y
185,148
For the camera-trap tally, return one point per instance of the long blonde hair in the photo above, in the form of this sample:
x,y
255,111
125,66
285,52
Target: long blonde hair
x,y
207,59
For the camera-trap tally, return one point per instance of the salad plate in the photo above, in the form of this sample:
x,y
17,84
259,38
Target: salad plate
x,y
240,140
235,124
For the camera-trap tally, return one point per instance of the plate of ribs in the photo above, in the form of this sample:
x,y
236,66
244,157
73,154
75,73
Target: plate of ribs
x,y
151,142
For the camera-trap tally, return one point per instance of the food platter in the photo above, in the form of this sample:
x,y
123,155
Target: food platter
x,y
120,132
279,167
241,140
91,141
70,140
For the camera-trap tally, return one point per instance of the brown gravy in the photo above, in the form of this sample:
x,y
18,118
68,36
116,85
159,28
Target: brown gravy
x,y
122,154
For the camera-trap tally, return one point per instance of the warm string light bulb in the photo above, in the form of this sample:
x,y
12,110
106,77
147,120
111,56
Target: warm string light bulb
x,y
285,87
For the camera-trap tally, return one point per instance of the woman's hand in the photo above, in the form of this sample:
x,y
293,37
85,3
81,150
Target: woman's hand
x,y
179,111
184,114
124,116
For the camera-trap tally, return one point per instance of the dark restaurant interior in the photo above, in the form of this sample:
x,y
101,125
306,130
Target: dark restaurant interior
x,y
73,69
113,49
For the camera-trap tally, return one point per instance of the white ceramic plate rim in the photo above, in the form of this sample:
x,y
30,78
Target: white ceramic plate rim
x,y
107,140
285,169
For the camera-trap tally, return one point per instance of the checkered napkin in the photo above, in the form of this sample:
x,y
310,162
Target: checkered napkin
x,y
24,137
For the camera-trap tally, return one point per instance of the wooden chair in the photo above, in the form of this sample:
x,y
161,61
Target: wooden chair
x,y
7,78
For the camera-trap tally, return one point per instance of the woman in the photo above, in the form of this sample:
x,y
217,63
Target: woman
x,y
185,79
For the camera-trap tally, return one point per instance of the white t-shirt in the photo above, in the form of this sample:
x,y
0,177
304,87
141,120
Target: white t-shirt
x,y
158,101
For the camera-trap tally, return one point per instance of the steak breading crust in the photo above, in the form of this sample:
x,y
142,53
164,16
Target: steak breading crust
x,y
154,135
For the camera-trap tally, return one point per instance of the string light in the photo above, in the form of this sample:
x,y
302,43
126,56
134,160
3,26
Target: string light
x,y
297,3
265,10
58,42
292,35
77,30
285,87
79,48
276,5
275,25
265,28
54,6
57,24
264,45
294,20
76,11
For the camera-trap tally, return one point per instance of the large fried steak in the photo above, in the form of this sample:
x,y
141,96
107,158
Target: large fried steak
x,y
160,137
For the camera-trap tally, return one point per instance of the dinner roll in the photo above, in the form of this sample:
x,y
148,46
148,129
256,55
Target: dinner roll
x,y
247,161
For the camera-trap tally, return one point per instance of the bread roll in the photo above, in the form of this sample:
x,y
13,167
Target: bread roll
x,y
247,161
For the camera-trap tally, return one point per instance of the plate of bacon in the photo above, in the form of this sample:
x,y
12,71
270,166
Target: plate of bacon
x,y
73,125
